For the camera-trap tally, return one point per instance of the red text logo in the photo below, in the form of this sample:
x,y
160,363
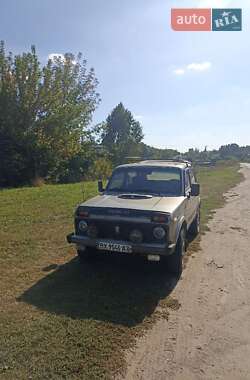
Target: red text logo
x,y
191,19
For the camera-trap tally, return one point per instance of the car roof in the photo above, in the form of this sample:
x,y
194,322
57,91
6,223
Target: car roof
x,y
159,163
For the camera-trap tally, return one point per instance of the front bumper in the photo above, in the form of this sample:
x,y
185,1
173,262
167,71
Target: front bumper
x,y
144,249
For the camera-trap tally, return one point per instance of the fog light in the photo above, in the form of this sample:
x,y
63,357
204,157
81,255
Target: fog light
x,y
83,226
159,233
136,236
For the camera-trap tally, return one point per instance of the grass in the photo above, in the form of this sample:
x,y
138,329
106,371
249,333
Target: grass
x,y
214,183
62,321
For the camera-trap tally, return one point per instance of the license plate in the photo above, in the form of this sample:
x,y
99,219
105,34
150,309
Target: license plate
x,y
113,247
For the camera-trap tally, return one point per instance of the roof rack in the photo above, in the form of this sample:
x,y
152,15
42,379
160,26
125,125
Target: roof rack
x,y
177,159
188,163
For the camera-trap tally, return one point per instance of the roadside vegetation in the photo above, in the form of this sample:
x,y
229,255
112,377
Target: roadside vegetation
x,y
59,320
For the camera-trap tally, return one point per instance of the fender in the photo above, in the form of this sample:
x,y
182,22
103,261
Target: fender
x,y
179,226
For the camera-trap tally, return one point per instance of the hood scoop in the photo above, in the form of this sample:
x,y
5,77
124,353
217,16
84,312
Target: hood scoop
x,y
135,196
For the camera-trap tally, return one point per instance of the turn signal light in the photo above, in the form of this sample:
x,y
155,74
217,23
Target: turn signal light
x,y
160,218
83,213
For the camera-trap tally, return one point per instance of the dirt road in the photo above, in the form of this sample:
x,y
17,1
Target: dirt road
x,y
209,336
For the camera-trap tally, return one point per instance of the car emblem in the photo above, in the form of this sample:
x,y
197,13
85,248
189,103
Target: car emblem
x,y
117,230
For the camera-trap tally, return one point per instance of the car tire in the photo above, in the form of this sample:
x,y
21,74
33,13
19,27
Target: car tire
x,y
174,261
88,254
194,229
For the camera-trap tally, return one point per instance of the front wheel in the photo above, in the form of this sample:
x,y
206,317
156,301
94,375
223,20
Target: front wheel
x,y
174,261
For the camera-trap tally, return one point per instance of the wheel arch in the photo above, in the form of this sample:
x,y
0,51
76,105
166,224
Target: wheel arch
x,y
181,224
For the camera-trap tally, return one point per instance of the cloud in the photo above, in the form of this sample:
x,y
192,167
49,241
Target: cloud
x,y
179,71
194,66
54,56
204,66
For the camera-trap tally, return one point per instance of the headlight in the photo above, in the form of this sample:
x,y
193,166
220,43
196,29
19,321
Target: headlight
x,y
83,226
136,236
159,233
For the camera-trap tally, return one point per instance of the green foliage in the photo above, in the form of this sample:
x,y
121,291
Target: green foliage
x,y
121,134
225,152
234,151
101,169
44,112
149,152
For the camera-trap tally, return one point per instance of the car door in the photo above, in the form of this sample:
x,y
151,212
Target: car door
x,y
190,205
194,200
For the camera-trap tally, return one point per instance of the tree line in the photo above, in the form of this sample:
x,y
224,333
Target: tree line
x,y
45,116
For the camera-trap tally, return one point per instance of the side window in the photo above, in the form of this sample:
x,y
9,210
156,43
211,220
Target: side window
x,y
187,180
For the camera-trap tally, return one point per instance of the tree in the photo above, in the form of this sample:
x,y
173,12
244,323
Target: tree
x,y
230,151
44,112
102,168
149,152
121,134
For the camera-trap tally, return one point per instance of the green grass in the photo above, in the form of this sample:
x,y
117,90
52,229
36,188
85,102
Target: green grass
x,y
59,320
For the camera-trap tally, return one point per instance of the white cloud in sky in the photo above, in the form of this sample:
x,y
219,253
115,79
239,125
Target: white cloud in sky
x,y
54,56
179,71
194,66
204,66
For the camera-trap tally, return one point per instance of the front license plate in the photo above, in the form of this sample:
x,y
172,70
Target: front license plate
x,y
113,247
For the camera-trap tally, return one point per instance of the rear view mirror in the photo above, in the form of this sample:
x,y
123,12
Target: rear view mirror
x,y
100,186
195,190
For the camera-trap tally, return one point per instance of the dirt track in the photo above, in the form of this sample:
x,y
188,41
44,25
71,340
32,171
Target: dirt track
x,y
209,336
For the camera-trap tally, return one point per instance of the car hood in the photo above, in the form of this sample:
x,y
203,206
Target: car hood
x,y
163,204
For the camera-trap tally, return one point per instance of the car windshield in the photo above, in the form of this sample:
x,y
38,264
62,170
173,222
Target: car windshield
x,y
146,180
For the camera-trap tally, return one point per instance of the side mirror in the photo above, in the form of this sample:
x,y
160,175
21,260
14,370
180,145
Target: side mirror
x,y
100,186
195,190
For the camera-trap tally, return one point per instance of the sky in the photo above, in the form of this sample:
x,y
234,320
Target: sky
x,y
187,89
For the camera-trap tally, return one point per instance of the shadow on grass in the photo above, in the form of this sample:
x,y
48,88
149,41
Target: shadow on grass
x,y
117,289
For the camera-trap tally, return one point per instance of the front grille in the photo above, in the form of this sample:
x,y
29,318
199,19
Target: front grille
x,y
121,230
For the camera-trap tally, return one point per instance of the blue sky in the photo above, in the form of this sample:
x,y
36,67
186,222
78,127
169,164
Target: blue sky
x,y
188,89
